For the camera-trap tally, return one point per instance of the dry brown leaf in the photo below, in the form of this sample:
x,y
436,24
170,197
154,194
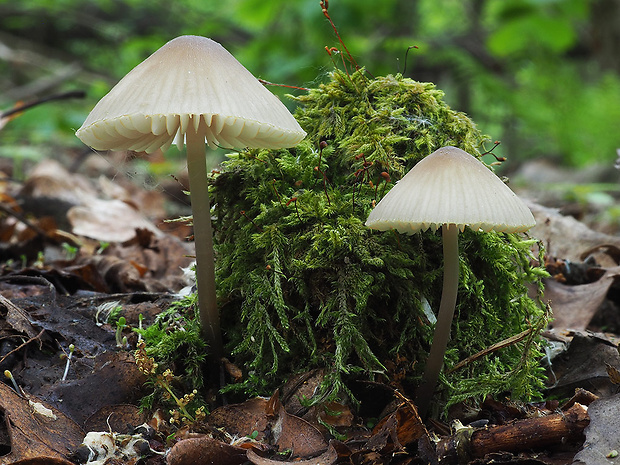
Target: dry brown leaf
x,y
602,436
205,450
36,430
564,236
51,180
266,418
574,305
326,458
584,365
242,419
18,318
107,220
296,434
114,380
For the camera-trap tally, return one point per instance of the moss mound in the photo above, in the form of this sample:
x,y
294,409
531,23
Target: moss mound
x,y
303,283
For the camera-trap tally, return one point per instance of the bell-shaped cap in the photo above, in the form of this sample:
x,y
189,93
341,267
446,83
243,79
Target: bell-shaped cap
x,y
191,82
450,186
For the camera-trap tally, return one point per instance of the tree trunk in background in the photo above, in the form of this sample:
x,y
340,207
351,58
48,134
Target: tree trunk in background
x,y
605,30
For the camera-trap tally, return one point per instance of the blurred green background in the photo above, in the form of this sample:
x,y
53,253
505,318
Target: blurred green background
x,y
542,76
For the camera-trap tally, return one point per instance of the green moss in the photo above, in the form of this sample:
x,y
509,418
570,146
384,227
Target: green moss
x,y
303,283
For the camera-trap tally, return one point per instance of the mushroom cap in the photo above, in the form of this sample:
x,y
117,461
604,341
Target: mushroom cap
x,y
450,186
190,82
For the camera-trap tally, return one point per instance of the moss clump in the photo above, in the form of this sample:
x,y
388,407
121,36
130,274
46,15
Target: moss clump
x,y
303,283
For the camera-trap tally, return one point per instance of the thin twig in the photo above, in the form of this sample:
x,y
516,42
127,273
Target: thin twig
x,y
495,347
26,106
37,337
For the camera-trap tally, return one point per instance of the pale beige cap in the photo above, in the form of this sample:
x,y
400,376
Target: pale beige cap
x,y
450,186
193,82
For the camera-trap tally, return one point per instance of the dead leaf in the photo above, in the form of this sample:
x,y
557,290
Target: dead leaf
x,y
120,418
575,305
36,429
242,419
336,415
300,386
50,180
613,373
584,365
296,434
115,379
267,419
18,318
205,450
602,436
107,220
564,236
326,458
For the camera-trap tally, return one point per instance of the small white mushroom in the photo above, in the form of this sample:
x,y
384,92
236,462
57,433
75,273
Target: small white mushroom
x,y
192,91
450,189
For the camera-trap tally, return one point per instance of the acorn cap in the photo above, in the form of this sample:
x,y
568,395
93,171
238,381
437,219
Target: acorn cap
x,y
192,82
450,186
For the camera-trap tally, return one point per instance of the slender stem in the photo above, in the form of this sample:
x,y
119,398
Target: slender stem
x,y
203,241
441,337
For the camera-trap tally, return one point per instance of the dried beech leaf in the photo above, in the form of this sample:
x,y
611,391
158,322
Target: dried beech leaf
x,y
564,236
242,419
296,434
574,305
326,458
205,450
18,318
602,436
36,430
107,220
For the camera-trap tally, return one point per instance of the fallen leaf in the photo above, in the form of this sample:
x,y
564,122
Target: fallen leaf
x,y
36,430
297,435
574,306
107,220
18,318
584,365
564,236
242,419
602,433
115,379
120,418
264,419
326,458
205,450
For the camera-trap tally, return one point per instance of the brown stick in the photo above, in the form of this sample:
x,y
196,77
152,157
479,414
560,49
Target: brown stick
x,y
520,435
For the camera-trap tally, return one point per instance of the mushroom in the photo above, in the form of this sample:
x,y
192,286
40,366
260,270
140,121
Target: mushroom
x,y
192,91
452,189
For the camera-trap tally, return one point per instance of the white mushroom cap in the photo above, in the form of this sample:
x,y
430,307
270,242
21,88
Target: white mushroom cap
x,y
451,186
190,82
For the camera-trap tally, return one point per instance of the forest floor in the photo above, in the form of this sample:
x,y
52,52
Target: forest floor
x,y
76,245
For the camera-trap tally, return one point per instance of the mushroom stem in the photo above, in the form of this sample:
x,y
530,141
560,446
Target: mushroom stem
x,y
203,242
450,233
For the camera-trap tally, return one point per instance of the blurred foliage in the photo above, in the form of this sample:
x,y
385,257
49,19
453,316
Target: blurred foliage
x,y
540,75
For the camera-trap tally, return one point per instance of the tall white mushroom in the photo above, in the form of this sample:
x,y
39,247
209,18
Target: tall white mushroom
x,y
192,91
450,189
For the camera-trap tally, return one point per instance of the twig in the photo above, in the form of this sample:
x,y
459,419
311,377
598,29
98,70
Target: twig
x,y
468,443
62,96
30,224
37,337
495,347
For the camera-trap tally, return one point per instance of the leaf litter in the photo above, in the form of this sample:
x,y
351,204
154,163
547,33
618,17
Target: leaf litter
x,y
45,306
